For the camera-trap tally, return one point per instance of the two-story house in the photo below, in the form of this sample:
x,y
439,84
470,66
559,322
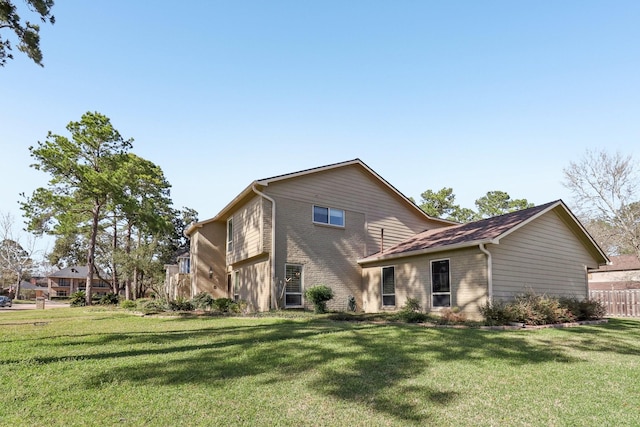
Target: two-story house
x,y
344,226
69,280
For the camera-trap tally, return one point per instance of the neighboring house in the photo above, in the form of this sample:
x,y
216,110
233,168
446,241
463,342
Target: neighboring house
x,y
65,282
31,290
178,279
622,273
344,226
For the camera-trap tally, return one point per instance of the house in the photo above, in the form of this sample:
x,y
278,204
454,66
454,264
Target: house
x,y
622,273
177,280
543,249
32,290
344,226
69,280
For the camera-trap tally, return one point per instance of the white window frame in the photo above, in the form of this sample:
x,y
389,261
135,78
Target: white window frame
x,y
230,235
301,293
236,285
382,269
329,210
431,280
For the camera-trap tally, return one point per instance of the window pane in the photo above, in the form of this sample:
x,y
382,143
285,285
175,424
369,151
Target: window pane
x,y
389,300
293,299
293,278
321,214
388,281
336,217
440,276
442,300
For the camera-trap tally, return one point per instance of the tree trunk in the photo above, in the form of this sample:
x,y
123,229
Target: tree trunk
x,y
17,294
92,250
114,275
127,250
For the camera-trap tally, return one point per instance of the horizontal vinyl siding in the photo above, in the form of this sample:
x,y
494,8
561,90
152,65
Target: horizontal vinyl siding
x,y
209,243
254,284
413,280
247,231
353,189
543,256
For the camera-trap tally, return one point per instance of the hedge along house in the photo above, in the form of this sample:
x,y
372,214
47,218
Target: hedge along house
x,y
283,234
543,249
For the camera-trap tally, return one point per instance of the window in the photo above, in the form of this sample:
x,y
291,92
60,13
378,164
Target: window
x,y
64,282
230,235
388,286
236,286
440,283
293,285
61,293
184,265
329,216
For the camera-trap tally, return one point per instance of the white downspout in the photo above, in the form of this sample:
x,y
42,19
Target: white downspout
x,y
272,255
489,273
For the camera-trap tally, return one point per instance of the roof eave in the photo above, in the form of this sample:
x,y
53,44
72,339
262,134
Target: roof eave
x,y
434,249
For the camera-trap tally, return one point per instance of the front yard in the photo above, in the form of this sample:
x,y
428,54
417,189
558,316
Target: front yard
x,y
98,367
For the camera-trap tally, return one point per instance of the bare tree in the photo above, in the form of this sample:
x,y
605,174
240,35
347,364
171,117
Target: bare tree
x,y
605,192
16,250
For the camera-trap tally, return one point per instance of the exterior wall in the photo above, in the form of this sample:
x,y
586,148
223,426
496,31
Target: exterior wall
x,y
468,269
207,252
254,283
328,254
543,256
248,237
98,287
353,189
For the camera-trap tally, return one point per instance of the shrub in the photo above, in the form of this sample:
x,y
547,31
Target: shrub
x,y
222,304
452,315
128,304
180,304
109,299
78,299
202,301
585,309
151,306
319,295
411,312
498,313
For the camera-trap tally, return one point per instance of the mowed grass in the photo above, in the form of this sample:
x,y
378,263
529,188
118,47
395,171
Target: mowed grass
x,y
91,367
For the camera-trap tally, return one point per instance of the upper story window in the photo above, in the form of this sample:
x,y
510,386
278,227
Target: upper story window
x,y
64,282
230,235
330,216
184,265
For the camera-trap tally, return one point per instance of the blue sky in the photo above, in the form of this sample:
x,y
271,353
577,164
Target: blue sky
x,y
473,95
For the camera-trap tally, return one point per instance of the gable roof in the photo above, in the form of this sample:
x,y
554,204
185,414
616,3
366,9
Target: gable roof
x,y
249,190
489,230
76,272
621,263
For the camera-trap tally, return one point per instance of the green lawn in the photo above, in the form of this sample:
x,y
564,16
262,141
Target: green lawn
x,y
91,367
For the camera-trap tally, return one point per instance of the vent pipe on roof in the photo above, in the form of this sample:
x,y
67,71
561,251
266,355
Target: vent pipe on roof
x,y
382,240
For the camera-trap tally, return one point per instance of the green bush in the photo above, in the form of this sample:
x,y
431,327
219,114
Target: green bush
x,y
109,299
222,304
78,299
411,312
151,306
128,304
498,313
585,309
202,301
180,304
319,295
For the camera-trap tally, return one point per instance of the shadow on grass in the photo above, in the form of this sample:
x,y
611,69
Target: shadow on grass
x,y
366,364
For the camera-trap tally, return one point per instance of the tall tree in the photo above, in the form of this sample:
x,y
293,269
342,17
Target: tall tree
x,y
27,33
605,192
498,202
86,173
441,204
16,255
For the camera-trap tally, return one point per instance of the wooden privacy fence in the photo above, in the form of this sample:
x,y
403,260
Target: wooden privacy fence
x,y
619,303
